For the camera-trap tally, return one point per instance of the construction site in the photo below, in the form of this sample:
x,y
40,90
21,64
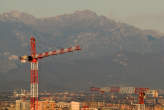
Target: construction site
x,y
81,55
105,98
95,98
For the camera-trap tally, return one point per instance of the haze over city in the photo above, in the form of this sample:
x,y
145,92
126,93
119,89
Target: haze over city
x,y
81,55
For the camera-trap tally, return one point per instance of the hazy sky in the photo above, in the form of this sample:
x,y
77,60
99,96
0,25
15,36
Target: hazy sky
x,y
104,7
119,9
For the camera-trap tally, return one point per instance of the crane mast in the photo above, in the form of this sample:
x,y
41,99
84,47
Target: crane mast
x,y
33,59
34,77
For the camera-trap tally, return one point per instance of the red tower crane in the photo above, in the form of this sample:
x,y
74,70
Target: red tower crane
x,y
139,91
141,94
33,59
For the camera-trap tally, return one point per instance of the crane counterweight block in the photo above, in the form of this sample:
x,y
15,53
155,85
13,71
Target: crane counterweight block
x,y
26,58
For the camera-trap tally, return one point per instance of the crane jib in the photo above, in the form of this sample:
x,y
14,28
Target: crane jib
x,y
33,59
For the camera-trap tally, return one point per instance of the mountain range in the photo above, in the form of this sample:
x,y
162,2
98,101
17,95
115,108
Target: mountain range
x,y
113,53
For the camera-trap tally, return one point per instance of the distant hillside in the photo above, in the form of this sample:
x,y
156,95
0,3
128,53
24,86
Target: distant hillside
x,y
112,53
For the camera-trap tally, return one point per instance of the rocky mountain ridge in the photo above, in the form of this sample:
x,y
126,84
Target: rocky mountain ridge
x,y
112,53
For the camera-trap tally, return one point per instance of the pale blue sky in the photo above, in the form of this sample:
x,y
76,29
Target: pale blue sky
x,y
120,8
146,14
